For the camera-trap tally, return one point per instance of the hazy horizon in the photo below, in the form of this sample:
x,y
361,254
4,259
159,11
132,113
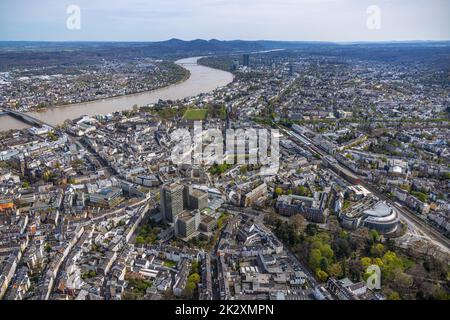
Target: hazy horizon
x,y
251,40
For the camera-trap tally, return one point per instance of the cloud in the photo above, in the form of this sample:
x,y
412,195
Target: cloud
x,y
334,20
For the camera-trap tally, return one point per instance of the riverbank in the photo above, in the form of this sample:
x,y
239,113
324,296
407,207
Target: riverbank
x,y
201,80
183,79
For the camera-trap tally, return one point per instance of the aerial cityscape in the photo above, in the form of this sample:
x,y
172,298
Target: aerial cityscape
x,y
235,170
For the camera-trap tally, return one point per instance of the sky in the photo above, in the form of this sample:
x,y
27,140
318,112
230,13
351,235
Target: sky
x,y
294,20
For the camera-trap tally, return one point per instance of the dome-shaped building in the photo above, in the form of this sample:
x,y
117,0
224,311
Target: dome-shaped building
x,y
371,213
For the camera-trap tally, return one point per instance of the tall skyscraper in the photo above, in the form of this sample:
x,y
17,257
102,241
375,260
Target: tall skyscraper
x,y
195,199
187,223
246,60
171,201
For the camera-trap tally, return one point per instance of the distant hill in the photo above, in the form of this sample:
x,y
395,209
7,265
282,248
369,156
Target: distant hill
x,y
167,47
20,54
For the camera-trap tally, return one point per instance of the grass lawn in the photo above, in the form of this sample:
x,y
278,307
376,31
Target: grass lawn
x,y
169,264
195,114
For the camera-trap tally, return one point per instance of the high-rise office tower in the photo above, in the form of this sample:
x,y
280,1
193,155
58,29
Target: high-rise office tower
x,y
187,223
246,60
171,201
195,199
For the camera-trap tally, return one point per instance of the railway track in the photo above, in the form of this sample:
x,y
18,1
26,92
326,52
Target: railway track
x,y
428,230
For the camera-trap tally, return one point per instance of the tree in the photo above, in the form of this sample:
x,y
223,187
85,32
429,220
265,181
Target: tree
x,y
140,240
311,229
314,259
298,222
335,270
342,248
355,269
440,294
374,236
394,296
47,175
195,278
420,195
223,112
189,290
195,267
402,281
321,275
446,176
287,234
378,262
191,285
334,225
377,250
366,262
278,191
323,264
52,136
327,252
392,265
302,191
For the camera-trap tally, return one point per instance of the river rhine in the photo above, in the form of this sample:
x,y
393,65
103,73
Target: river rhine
x,y
202,80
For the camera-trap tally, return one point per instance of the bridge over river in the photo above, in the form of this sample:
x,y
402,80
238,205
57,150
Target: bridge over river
x,y
24,117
